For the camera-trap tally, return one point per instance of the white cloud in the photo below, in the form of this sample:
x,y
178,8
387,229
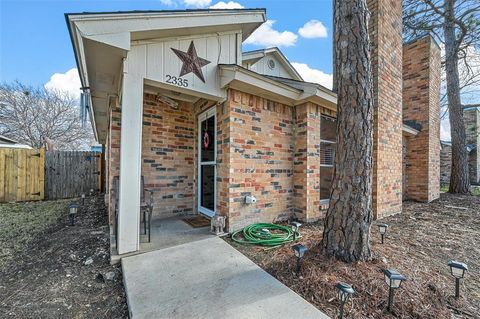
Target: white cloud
x,y
169,3
68,82
313,29
197,3
227,5
313,75
265,35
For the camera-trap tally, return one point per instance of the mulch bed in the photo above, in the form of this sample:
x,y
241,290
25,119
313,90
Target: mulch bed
x,y
64,272
419,243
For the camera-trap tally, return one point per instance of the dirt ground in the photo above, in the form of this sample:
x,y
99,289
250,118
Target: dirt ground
x,y
49,269
419,244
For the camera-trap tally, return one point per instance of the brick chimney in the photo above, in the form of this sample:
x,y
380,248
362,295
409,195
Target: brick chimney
x,y
386,36
421,109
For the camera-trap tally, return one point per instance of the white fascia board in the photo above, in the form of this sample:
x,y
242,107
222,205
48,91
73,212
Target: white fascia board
x,y
82,70
253,55
319,98
95,24
230,75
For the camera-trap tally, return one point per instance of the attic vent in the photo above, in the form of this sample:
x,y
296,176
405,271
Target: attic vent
x,y
271,64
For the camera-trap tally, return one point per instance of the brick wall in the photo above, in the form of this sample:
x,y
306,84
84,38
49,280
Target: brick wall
x,y
260,158
385,30
168,153
113,154
421,109
445,164
472,126
306,177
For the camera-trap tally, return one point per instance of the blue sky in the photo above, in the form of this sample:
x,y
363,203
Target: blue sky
x,y
34,41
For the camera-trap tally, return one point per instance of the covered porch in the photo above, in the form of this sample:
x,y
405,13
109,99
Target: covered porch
x,y
177,176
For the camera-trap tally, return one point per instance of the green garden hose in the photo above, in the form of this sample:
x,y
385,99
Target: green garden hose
x,y
264,234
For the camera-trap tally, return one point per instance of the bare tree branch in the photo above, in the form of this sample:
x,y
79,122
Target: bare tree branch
x,y
32,115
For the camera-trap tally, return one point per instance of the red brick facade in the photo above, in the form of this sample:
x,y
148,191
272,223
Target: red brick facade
x,y
386,35
168,155
272,151
261,159
421,110
472,126
264,149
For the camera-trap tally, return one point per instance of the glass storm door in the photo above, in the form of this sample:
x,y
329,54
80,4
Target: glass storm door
x,y
207,160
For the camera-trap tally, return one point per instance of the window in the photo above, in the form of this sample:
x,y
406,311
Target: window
x,y
327,153
327,141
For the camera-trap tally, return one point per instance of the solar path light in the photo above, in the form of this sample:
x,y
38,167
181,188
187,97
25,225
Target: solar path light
x,y
457,270
382,228
83,199
393,279
295,229
344,291
72,213
299,251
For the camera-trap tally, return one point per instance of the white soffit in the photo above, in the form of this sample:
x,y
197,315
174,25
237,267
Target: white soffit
x,y
118,40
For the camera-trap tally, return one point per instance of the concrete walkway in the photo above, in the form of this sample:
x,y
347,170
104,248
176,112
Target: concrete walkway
x,y
207,279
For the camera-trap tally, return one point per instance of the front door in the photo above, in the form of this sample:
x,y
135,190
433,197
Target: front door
x,y
207,160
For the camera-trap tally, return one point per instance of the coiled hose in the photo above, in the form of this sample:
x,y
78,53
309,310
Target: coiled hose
x,y
265,234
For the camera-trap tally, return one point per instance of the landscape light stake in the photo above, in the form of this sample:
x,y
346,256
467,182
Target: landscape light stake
x,y
393,279
382,228
295,229
457,269
299,251
72,213
344,291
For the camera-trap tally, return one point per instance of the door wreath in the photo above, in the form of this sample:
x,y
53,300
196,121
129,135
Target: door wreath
x,y
206,140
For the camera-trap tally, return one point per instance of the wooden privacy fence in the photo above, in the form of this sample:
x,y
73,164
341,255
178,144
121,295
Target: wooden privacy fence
x,y
71,173
21,174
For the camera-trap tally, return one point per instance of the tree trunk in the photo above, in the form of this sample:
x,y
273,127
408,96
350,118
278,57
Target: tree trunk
x,y
347,223
459,180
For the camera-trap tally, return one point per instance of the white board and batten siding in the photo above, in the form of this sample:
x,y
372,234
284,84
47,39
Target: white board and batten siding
x,y
264,66
156,61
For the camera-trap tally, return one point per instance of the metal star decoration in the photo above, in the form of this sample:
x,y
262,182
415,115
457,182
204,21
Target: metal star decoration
x,y
191,62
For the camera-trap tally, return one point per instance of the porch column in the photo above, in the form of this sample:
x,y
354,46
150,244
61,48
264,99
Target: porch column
x,y
130,163
306,172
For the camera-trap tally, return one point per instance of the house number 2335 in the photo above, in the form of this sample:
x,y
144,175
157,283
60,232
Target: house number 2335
x,y
176,80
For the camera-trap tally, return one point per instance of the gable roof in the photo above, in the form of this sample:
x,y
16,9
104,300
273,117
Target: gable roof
x,y
256,55
285,91
101,41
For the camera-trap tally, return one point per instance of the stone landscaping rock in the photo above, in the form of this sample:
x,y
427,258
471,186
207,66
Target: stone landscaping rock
x,y
89,261
110,275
